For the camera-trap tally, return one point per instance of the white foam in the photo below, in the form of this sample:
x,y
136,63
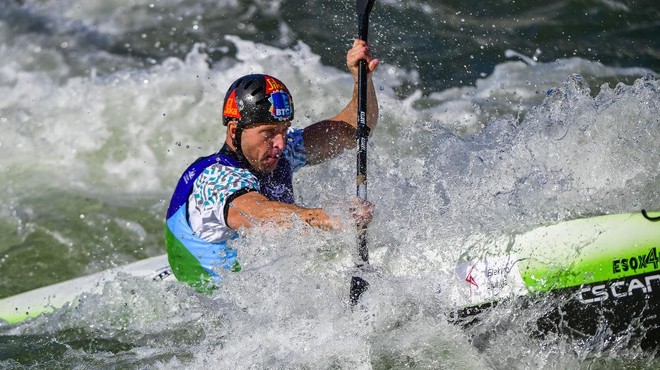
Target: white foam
x,y
499,156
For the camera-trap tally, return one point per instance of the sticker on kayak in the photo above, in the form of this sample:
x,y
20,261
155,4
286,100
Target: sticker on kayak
x,y
621,289
489,279
642,262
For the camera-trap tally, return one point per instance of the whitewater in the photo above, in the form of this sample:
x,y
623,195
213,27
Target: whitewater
x,y
93,141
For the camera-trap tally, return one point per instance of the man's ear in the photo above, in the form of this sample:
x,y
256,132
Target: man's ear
x,y
231,129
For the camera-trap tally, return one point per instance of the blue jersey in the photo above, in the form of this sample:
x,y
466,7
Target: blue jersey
x,y
196,227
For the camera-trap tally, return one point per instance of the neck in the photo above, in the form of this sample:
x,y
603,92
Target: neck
x,y
232,151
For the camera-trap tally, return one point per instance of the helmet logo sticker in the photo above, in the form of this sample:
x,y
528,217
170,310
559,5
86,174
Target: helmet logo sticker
x,y
273,85
280,107
231,109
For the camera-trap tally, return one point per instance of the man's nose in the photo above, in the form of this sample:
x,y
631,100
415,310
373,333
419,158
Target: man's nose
x,y
279,141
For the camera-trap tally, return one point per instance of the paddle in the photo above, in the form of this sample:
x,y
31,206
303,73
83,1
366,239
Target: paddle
x,y
359,285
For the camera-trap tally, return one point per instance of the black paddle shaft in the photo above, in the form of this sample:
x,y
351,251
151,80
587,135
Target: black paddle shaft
x,y
363,10
359,285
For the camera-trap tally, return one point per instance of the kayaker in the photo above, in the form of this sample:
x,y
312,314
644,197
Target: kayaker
x,y
248,182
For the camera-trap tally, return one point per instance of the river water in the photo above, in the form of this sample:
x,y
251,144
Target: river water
x,y
495,118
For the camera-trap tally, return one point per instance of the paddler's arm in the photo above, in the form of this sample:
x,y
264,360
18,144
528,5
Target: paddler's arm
x,y
328,138
254,209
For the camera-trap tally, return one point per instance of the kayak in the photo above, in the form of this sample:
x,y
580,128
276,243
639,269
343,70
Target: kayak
x,y
604,273
46,299
601,269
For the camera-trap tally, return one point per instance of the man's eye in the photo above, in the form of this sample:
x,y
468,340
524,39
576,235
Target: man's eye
x,y
271,134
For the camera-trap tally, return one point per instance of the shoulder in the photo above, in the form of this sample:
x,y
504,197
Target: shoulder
x,y
295,152
294,138
221,176
214,189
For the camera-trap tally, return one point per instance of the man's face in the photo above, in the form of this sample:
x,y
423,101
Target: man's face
x,y
262,144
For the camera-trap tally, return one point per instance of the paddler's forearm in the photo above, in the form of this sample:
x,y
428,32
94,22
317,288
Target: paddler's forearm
x,y
372,104
316,217
258,212
349,113
281,214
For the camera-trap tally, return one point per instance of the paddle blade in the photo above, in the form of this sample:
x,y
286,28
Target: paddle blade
x,y
358,286
364,6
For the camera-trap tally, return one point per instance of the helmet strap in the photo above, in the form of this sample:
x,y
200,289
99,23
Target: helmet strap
x,y
236,141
